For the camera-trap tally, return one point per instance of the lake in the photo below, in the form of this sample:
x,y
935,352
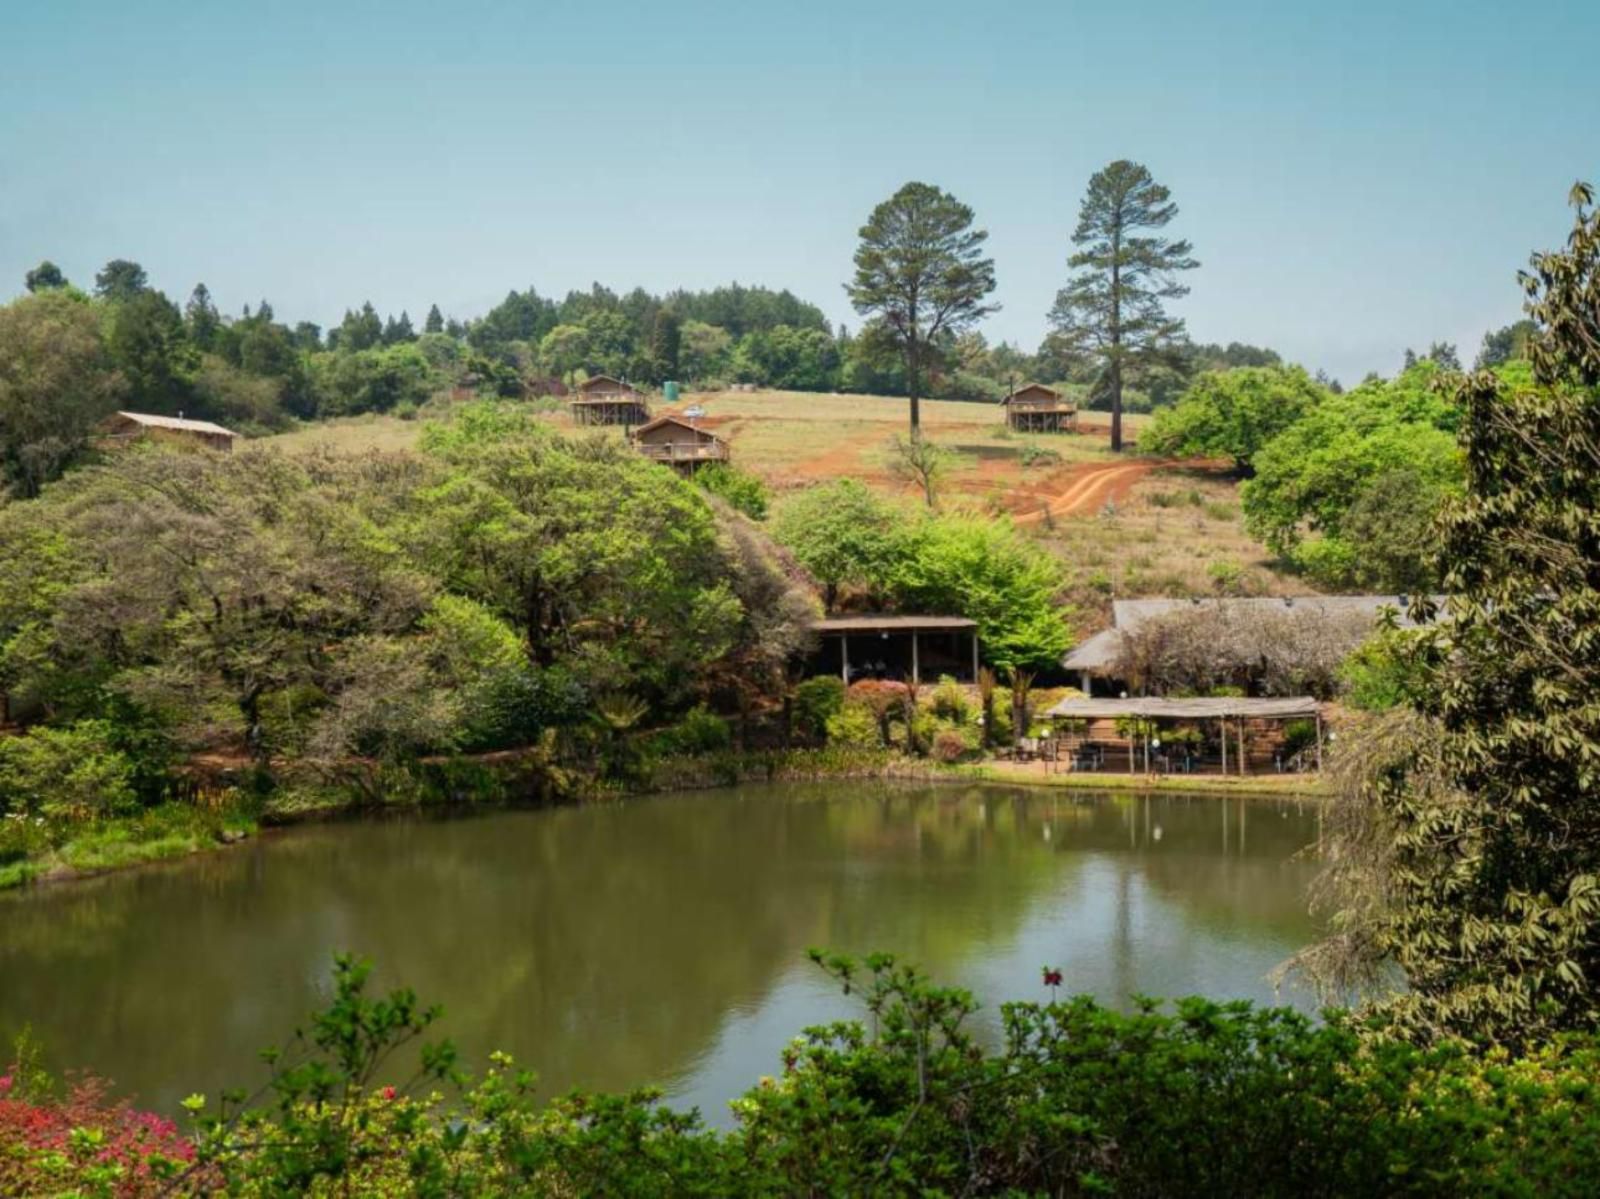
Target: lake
x,y
656,940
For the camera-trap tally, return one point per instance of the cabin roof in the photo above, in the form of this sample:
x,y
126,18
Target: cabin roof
x,y
1200,708
1033,389
880,623
149,421
672,418
595,380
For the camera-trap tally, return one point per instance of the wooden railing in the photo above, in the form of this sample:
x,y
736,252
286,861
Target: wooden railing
x,y
672,451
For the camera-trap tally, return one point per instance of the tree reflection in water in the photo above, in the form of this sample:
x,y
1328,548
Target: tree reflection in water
x,y
656,940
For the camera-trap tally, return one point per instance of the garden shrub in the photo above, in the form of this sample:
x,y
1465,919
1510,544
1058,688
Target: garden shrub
x,y
950,701
855,725
951,744
1038,455
884,698
701,731
815,702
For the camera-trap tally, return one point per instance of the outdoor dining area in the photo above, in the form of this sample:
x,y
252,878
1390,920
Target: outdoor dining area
x,y
1219,735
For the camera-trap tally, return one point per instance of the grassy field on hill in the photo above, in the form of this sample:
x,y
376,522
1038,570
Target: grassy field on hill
x,y
1125,526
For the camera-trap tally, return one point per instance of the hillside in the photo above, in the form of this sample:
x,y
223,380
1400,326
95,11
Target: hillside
x,y
1124,525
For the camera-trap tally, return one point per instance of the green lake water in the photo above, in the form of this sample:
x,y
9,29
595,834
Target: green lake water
x,y
657,940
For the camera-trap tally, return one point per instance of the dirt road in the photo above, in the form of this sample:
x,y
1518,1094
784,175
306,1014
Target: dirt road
x,y
1081,490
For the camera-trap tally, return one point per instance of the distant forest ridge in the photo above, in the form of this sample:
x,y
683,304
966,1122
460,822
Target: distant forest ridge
x,y
74,354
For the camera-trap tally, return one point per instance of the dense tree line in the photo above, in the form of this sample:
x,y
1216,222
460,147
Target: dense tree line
x,y
1343,486
321,610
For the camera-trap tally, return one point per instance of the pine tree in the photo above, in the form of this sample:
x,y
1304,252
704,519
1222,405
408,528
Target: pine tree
x,y
202,317
1444,355
435,321
1113,310
360,330
666,343
921,277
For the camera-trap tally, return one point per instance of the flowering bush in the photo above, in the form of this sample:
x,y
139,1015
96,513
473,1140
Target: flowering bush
x,y
85,1144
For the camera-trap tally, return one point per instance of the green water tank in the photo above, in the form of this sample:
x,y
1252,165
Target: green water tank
x,y
669,392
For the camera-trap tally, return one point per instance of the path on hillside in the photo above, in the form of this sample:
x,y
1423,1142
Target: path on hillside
x,y
1083,490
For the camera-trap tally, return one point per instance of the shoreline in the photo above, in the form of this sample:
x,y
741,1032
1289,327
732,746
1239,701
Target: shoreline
x,y
1303,786
189,833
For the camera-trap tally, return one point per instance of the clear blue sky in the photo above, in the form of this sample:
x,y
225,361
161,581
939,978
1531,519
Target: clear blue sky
x,y
1355,176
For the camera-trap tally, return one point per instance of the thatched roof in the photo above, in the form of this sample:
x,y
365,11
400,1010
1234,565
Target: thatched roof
x,y
1100,652
1201,708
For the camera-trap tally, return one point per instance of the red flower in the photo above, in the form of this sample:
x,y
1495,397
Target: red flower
x,y
388,1092
1052,978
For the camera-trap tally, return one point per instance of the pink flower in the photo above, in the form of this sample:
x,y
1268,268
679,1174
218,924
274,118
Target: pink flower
x,y
1052,978
5,1083
388,1092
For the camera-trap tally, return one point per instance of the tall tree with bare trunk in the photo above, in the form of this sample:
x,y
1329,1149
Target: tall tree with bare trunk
x,y
1113,309
921,277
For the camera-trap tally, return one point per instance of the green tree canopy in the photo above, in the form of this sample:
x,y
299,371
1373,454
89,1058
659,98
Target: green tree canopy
x,y
1233,413
1468,843
985,570
1113,310
921,276
1397,437
46,276
56,381
845,535
120,279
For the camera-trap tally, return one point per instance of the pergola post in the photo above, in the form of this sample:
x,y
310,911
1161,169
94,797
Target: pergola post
x,y
974,657
844,658
1244,762
1319,740
1224,724
916,670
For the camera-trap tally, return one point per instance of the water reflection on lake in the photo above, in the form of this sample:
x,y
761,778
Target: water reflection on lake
x,y
654,941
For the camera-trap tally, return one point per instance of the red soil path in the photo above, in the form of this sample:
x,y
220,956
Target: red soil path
x,y
1081,490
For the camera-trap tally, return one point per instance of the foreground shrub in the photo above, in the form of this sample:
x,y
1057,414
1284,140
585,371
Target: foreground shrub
x,y
1075,1099
84,1143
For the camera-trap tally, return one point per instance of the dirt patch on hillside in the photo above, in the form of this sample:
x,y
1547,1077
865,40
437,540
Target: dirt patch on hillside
x,y
1080,490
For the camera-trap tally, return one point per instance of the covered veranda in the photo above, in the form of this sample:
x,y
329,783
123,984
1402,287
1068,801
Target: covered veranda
x,y
1207,735
905,649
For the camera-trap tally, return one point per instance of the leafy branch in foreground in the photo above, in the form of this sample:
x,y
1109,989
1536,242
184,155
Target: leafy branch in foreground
x,y
1479,829
1069,1098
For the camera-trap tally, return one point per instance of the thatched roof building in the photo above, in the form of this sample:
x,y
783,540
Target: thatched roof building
x,y
1247,621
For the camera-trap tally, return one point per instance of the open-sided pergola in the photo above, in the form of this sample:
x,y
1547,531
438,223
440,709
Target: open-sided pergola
x,y
1240,710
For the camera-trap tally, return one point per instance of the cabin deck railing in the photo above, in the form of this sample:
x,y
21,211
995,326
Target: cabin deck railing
x,y
684,452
